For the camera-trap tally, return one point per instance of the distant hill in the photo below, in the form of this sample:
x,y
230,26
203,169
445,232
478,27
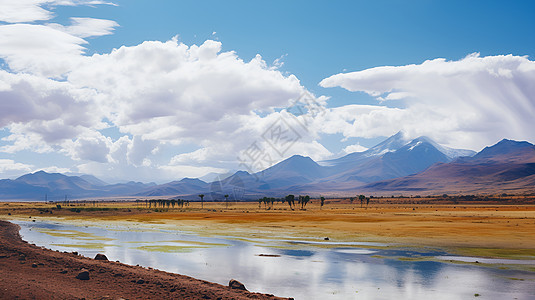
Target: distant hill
x,y
56,182
93,180
183,187
396,165
13,190
294,170
395,157
41,185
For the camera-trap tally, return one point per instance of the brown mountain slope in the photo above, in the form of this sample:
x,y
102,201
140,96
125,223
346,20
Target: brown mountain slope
x,y
508,166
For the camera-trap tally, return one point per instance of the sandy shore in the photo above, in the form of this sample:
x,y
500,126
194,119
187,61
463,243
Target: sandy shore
x,y
31,272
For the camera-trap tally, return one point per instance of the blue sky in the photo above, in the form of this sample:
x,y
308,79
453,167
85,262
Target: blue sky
x,y
478,94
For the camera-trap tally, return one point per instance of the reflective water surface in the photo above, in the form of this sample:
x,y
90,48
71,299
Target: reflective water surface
x,y
294,267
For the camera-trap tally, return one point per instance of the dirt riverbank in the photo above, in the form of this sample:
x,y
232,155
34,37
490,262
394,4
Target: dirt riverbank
x,y
31,272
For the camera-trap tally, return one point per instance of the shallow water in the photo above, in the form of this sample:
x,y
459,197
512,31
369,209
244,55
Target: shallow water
x,y
299,268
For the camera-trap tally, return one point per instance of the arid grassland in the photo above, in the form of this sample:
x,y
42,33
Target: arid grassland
x,y
500,226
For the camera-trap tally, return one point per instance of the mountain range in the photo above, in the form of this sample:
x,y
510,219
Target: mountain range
x,y
508,167
394,166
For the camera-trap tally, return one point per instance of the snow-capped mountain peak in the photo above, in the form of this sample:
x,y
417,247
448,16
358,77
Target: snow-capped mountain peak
x,y
391,144
451,153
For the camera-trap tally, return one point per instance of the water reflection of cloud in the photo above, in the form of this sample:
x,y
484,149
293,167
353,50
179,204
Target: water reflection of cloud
x,y
355,251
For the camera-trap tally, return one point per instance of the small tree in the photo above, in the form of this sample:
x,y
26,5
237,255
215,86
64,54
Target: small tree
x,y
202,200
290,200
304,201
322,201
226,201
361,198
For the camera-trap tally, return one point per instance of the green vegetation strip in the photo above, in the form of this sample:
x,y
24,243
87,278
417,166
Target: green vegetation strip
x,y
95,246
74,234
169,248
186,246
187,243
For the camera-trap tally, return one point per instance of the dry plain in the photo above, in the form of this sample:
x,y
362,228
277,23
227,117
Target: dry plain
x,y
497,227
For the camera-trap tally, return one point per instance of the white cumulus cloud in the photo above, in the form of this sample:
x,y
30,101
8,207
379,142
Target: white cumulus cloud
x,y
171,91
9,165
472,102
56,98
41,113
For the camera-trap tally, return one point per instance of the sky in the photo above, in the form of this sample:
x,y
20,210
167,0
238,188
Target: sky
x,y
159,90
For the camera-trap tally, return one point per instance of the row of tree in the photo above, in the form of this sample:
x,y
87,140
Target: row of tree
x,y
362,199
302,201
163,203
202,200
268,201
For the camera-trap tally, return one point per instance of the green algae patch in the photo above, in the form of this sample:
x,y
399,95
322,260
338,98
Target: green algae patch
x,y
74,234
169,248
198,243
93,246
185,242
413,259
183,247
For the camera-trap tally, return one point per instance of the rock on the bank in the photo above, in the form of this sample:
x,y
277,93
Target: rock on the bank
x,y
236,285
100,257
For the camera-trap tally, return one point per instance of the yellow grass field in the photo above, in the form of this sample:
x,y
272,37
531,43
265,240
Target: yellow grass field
x,y
483,229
